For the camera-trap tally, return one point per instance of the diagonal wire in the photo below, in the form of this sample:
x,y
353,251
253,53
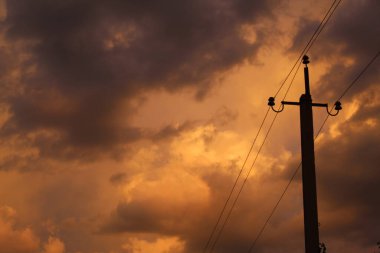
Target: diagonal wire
x,y
235,183
319,131
310,43
251,168
307,47
332,9
359,75
283,194
240,190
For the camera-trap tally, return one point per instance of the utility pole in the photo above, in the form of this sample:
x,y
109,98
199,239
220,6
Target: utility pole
x,y
309,187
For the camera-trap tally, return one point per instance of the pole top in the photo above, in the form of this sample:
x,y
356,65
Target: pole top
x,y
305,59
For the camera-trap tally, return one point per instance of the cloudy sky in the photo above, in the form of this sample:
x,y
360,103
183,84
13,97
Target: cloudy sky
x,y
124,124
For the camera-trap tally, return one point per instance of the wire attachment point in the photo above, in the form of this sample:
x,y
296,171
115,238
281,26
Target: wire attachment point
x,y
271,103
305,59
337,107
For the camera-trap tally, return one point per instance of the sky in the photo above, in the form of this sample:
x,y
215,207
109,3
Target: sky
x,y
124,124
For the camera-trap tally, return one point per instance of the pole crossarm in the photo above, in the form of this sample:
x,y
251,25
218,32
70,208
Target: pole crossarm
x,y
289,103
337,106
319,105
297,103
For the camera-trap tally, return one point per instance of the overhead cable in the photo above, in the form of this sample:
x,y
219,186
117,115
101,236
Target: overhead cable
x,y
354,81
304,51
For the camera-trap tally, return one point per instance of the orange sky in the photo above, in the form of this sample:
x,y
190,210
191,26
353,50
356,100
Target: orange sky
x,y
124,124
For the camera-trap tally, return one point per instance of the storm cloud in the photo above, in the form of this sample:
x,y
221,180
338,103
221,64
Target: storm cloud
x,y
93,157
88,60
348,42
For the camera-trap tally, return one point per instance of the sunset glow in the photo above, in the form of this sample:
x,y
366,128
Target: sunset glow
x,y
124,125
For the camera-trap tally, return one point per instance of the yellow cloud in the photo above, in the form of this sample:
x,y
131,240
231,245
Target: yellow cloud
x,y
160,245
54,245
12,239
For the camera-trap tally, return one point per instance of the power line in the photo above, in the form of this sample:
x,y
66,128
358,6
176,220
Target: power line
x,y
283,194
327,18
310,43
318,133
251,168
241,189
359,75
305,50
235,183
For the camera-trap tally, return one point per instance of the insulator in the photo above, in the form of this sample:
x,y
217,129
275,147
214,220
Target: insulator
x,y
305,59
338,106
271,101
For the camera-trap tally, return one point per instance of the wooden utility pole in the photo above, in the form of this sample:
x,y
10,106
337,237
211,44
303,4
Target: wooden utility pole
x,y
308,169
309,187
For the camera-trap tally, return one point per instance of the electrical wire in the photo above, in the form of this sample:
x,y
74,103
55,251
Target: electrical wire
x,y
283,194
332,9
304,51
299,166
359,75
310,43
240,190
235,183
251,168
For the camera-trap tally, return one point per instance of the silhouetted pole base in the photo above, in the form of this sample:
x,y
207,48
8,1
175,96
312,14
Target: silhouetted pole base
x,y
308,176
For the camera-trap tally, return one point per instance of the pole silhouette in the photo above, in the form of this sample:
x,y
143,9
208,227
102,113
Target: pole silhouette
x,y
309,187
308,169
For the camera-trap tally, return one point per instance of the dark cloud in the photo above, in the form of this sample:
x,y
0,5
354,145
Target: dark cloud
x,y
172,131
349,175
352,33
82,62
192,220
118,178
224,116
94,55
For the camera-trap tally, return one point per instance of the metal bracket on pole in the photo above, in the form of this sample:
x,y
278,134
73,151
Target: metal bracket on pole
x,y
337,106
